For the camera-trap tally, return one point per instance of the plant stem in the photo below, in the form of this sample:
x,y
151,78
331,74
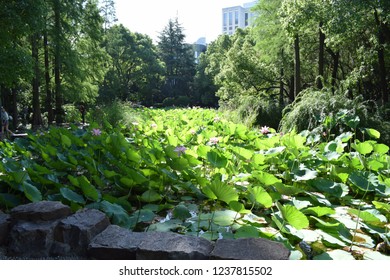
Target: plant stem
x,y
358,218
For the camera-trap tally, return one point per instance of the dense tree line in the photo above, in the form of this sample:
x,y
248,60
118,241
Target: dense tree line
x,y
56,52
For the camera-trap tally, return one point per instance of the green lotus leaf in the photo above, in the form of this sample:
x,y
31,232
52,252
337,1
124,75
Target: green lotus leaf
x,y
221,191
293,216
181,212
373,133
335,255
363,148
246,232
216,159
319,211
266,178
31,192
88,189
151,196
381,149
72,195
260,195
65,141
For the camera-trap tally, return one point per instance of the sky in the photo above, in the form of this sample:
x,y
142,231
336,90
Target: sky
x,y
199,18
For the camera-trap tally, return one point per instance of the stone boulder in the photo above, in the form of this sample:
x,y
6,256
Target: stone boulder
x,y
41,211
74,233
32,228
31,239
249,249
173,246
115,243
4,228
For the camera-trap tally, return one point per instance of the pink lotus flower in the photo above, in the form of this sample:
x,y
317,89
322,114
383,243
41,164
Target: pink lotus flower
x,y
214,140
96,132
153,125
180,150
264,130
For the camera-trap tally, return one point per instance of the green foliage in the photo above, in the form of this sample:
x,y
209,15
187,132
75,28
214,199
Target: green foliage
x,y
334,114
199,174
135,68
179,60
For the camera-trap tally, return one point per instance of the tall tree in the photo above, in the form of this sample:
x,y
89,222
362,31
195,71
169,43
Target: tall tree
x,y
273,43
179,60
108,12
134,69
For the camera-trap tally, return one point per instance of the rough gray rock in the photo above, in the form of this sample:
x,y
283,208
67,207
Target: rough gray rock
x,y
115,243
74,233
31,239
249,249
4,228
173,246
40,211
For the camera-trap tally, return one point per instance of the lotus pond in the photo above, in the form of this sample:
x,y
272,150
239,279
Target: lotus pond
x,y
193,172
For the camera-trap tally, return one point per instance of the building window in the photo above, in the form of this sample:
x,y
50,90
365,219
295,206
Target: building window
x,y
225,15
236,17
230,18
246,19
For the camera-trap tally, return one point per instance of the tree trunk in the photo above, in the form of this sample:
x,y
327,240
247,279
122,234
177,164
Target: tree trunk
x,y
281,88
36,104
57,62
297,67
321,57
14,108
336,59
49,98
381,60
291,87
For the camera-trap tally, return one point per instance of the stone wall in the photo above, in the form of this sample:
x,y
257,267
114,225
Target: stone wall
x,y
49,229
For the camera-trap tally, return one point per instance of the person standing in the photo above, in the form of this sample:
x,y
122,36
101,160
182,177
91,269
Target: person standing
x,y
5,122
82,111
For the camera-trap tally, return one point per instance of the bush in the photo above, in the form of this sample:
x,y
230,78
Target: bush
x,y
254,111
168,102
72,114
333,114
183,101
114,114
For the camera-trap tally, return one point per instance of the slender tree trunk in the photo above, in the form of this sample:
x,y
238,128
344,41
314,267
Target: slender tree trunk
x,y
281,88
57,63
14,108
36,104
297,67
336,60
381,59
49,98
291,86
321,57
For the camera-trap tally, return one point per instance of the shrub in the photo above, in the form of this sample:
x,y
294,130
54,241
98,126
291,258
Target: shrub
x,y
183,101
72,113
254,111
168,102
333,113
114,114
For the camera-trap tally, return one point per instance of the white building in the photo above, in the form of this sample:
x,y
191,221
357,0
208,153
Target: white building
x,y
236,17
